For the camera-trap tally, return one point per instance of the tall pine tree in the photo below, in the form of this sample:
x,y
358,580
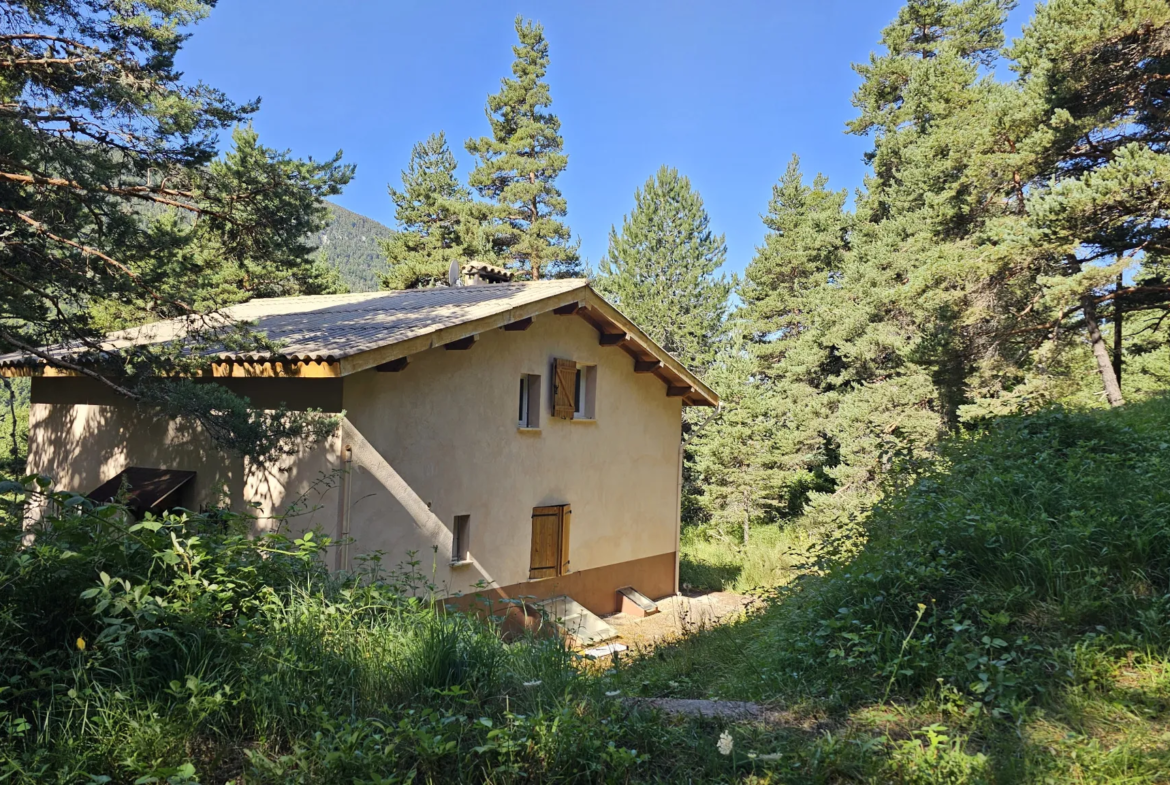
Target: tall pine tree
x,y
518,166
435,226
661,269
769,448
802,251
115,207
1095,75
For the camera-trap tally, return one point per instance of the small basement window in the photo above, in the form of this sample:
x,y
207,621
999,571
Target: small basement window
x,y
529,404
585,393
461,540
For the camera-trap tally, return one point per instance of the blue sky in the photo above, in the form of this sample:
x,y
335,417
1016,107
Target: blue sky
x,y
724,91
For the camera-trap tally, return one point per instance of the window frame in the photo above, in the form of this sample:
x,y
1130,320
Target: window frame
x,y
529,402
585,393
461,540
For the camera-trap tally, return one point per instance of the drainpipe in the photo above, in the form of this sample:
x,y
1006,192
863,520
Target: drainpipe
x,y
346,485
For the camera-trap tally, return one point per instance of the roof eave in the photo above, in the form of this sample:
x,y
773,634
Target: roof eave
x,y
383,354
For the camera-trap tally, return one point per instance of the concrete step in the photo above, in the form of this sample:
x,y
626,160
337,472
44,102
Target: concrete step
x,y
576,622
636,604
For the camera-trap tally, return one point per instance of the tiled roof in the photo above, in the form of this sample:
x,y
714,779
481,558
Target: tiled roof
x,y
359,331
327,328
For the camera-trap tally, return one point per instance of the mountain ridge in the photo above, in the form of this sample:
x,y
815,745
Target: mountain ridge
x,y
349,243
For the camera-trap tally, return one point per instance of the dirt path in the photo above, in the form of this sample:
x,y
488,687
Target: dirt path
x,y
678,616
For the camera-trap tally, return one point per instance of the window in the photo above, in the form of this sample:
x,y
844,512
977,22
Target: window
x,y
529,404
564,386
550,541
461,541
585,392
574,390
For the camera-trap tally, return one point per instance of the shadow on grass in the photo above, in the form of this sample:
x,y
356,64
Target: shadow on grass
x,y
702,575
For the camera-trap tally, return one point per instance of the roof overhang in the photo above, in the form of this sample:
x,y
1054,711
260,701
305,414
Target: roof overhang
x,y
613,327
614,330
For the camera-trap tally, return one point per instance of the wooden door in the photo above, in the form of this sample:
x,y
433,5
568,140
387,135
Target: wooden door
x,y
550,541
546,542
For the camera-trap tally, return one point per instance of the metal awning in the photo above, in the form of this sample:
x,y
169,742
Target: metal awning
x,y
147,490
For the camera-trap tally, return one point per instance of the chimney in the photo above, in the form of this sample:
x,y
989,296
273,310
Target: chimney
x,y
477,273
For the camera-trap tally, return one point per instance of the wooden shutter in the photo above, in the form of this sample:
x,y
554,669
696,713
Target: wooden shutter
x,y
550,541
564,388
546,542
566,514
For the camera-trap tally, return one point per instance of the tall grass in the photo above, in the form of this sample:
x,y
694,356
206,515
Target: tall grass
x,y
173,651
1049,531
1003,617
773,557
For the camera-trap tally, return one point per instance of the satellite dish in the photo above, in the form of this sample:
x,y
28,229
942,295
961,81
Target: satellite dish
x,y
453,273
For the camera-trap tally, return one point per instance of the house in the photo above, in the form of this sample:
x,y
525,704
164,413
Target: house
x,y
526,433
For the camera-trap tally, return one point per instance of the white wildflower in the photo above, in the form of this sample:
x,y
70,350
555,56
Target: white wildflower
x,y
613,693
725,744
536,683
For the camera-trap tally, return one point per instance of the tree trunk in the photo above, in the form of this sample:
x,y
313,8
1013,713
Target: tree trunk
x,y
1101,353
1117,320
746,521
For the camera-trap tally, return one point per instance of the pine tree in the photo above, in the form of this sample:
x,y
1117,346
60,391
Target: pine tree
x,y
769,449
518,166
661,269
859,320
115,207
760,457
434,226
802,251
1096,207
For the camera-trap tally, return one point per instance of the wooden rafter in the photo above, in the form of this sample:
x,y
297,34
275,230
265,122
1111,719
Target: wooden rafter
x,y
462,343
394,366
520,325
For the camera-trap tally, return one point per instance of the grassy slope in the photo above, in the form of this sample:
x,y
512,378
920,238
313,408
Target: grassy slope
x,y
1005,621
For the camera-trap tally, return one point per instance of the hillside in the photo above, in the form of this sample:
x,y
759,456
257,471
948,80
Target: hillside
x,y
1000,617
350,243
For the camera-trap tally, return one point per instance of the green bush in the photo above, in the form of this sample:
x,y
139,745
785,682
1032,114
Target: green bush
x,y
178,649
985,574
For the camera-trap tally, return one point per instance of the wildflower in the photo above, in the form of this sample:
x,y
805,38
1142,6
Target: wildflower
x,y
80,644
725,744
532,683
613,693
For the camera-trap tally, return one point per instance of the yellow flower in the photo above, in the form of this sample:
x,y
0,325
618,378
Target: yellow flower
x,y
80,644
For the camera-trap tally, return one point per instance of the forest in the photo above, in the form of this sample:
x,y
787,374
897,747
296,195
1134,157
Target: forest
x,y
939,465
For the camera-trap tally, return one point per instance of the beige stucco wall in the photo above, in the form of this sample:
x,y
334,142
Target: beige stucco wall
x,y
433,441
444,433
80,446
